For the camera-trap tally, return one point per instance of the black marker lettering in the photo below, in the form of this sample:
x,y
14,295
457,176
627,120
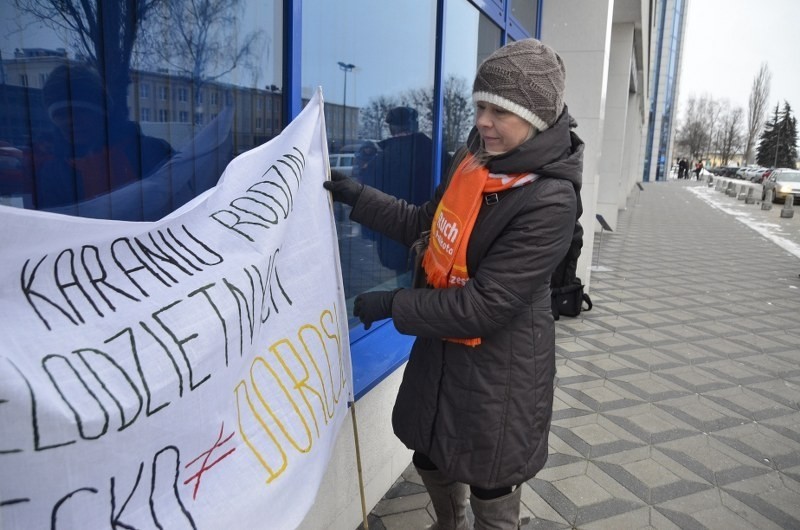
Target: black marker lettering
x,y
61,501
26,285
115,516
205,247
46,360
203,290
35,417
103,355
71,282
137,263
149,411
241,299
100,277
180,343
172,470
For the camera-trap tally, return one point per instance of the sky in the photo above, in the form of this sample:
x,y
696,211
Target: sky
x,y
402,33
725,43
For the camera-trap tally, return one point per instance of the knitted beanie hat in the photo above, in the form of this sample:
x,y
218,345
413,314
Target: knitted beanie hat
x,y
74,86
401,116
525,77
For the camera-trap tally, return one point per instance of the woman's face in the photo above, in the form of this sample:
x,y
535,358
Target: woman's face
x,y
500,129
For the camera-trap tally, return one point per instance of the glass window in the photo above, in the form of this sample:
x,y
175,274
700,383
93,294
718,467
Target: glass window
x,y
524,13
374,60
92,141
470,37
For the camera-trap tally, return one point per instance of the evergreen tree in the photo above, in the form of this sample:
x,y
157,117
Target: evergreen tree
x,y
790,135
765,154
777,146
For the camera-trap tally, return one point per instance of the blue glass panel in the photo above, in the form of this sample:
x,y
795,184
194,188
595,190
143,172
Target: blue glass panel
x,y
375,64
131,121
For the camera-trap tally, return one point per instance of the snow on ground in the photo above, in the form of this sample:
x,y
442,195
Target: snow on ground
x,y
753,217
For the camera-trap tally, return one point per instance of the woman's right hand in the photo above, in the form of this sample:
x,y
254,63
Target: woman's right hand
x,y
343,188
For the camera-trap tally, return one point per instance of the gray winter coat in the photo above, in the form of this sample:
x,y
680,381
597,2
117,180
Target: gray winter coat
x,y
482,414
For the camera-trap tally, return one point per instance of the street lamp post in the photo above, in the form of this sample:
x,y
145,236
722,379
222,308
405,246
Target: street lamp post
x,y
345,67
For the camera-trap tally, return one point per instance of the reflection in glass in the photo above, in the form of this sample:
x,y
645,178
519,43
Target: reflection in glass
x,y
134,118
378,114
524,12
470,38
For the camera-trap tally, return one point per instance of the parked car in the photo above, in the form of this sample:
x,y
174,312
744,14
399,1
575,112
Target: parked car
x,y
755,174
342,162
783,182
761,175
729,171
353,148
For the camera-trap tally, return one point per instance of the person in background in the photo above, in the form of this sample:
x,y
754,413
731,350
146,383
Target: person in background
x,y
89,153
698,168
476,398
402,168
363,159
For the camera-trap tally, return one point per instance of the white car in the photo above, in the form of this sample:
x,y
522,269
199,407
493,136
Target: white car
x,y
783,182
342,162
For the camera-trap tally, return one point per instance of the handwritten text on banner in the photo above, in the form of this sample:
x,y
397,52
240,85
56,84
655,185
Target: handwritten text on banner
x,y
187,373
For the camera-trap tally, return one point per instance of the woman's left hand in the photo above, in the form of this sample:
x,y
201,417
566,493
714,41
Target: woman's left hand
x,y
343,188
372,306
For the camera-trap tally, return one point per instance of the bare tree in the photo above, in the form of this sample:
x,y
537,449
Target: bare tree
x,y
459,112
103,31
693,135
756,106
373,116
421,100
730,136
200,40
711,121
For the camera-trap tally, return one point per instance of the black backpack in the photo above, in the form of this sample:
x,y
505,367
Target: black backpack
x,y
566,289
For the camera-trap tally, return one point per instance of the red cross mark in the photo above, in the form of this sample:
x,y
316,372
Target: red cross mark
x,y
206,456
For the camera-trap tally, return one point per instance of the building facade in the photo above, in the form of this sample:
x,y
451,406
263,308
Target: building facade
x,y
669,19
257,68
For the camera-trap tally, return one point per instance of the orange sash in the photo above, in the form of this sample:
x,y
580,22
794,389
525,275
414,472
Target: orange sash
x,y
445,261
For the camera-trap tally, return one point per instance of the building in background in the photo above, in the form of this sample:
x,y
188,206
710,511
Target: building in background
x,y
669,19
213,99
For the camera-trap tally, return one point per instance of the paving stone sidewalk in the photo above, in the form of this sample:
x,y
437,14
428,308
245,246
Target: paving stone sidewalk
x,y
678,396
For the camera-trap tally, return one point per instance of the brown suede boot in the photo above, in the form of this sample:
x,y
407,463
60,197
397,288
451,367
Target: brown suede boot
x,y
449,500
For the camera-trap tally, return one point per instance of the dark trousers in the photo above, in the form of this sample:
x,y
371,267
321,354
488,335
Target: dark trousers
x,y
423,462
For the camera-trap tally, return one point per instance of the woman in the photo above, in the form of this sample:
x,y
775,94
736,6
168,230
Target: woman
x,y
477,394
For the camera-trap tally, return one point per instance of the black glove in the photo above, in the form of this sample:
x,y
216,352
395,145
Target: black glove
x,y
373,306
343,188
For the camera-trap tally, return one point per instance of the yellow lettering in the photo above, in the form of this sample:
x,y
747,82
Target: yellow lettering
x,y
272,472
332,318
299,382
275,393
281,425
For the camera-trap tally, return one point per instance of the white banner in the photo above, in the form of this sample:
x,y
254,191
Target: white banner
x,y
188,373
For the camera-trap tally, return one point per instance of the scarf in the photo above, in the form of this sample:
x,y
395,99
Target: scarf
x,y
445,261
